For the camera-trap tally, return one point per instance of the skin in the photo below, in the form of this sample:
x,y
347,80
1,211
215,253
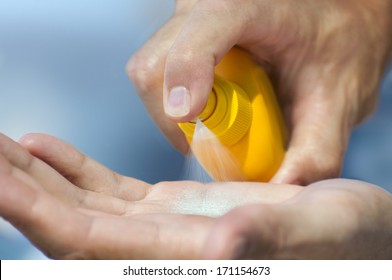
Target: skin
x,y
71,207
318,55
325,59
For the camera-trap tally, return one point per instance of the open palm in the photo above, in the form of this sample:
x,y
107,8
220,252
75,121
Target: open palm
x,y
71,207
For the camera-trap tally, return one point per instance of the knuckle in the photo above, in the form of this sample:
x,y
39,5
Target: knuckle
x,y
144,73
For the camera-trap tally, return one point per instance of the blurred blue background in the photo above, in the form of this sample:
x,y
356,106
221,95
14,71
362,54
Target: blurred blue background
x,y
62,72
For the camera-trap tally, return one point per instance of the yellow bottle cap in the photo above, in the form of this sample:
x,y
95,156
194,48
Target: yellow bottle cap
x,y
227,113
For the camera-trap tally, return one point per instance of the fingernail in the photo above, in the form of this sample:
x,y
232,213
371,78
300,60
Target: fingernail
x,y
178,102
240,249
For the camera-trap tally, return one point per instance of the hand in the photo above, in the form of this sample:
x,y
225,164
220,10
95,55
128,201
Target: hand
x,y
71,207
325,58
332,219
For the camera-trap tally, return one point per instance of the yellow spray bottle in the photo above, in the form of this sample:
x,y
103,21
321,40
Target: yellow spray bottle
x,y
243,114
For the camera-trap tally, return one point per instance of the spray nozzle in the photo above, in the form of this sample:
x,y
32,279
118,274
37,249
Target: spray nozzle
x,y
227,112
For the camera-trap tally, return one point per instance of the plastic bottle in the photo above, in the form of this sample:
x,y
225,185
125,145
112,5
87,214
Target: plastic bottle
x,y
243,113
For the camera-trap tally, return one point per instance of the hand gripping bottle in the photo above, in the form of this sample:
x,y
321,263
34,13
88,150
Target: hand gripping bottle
x,y
243,114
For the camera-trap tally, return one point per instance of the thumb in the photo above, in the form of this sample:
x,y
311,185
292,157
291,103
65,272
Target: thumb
x,y
208,34
253,231
292,230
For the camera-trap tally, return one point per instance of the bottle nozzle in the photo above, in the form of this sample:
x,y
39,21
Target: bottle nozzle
x,y
227,113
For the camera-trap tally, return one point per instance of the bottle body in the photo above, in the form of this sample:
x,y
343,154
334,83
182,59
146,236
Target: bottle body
x,y
253,130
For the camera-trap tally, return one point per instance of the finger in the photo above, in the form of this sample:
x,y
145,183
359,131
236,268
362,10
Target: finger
x,y
211,30
35,173
38,175
156,236
63,233
7,168
48,223
320,126
146,68
81,170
